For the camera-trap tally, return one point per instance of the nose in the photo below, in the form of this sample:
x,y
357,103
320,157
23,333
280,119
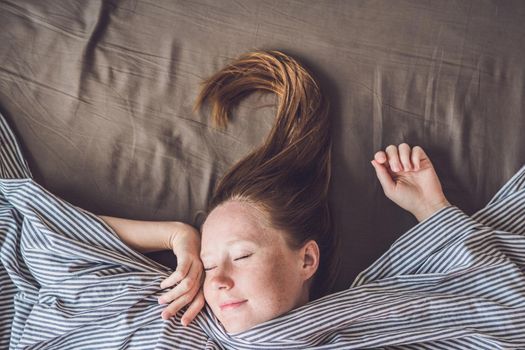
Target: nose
x,y
222,281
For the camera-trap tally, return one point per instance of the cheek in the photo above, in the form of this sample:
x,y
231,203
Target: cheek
x,y
276,281
208,294
271,281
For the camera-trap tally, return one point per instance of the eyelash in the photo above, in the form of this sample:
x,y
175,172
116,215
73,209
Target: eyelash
x,y
242,257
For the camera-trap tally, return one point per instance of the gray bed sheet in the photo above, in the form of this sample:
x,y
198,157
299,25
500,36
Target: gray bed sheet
x,y
100,95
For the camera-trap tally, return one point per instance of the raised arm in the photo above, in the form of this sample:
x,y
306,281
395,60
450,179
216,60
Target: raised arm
x,y
144,236
184,241
408,179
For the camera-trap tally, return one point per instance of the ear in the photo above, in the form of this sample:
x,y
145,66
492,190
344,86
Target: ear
x,y
310,259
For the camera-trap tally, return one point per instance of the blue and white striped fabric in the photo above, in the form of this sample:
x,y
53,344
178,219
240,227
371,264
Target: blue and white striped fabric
x,y
68,282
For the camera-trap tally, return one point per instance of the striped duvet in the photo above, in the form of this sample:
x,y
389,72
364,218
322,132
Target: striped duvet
x,y
68,282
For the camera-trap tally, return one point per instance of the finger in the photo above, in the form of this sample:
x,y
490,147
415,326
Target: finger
x,y
179,303
193,310
193,278
183,266
380,157
393,158
182,288
174,307
418,155
384,177
404,155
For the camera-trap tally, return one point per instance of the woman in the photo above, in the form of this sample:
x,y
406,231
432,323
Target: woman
x,y
452,281
273,203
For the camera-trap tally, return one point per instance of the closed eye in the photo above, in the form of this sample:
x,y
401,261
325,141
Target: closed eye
x,y
242,257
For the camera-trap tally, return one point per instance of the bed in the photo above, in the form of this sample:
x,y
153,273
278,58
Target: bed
x,y
100,95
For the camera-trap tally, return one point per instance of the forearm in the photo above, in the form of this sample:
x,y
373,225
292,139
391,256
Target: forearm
x,y
143,236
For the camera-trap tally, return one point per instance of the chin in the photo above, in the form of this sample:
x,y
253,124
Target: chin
x,y
237,325
237,328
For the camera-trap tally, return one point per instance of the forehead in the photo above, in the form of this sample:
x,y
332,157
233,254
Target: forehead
x,y
231,222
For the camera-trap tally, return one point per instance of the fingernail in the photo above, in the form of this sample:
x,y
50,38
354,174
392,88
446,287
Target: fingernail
x,y
161,301
372,162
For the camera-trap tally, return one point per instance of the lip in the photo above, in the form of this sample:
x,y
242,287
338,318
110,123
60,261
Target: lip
x,y
232,304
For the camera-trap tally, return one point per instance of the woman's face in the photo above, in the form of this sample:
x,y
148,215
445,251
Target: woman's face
x,y
250,265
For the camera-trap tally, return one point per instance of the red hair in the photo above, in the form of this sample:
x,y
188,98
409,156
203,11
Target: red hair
x,y
288,176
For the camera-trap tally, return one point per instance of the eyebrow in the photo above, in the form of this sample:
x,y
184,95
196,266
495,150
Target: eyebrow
x,y
231,243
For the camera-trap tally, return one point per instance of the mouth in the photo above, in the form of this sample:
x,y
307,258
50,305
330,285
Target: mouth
x,y
232,305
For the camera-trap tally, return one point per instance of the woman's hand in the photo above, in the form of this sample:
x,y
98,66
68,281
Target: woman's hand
x,y
188,276
409,180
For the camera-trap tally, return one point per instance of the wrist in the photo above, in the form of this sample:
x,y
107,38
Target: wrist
x,y
428,209
172,234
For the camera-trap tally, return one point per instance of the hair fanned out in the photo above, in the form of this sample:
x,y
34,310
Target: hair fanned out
x,y
289,174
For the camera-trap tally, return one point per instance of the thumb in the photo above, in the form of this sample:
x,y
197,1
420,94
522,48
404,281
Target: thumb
x,y
384,177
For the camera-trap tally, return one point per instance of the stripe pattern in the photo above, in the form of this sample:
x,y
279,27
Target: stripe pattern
x,y
68,282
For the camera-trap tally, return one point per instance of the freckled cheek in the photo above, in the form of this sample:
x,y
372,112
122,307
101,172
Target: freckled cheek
x,y
273,278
